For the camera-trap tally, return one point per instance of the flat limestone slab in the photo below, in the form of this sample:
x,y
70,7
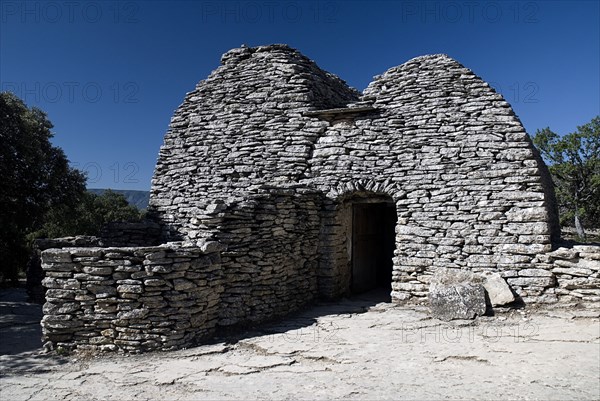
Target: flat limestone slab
x,y
498,291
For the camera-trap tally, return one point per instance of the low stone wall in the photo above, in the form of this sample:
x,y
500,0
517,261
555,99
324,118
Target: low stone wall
x,y
80,241
131,299
35,274
166,297
577,272
567,275
570,273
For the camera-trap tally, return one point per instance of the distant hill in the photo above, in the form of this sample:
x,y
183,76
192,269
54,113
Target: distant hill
x,y
138,199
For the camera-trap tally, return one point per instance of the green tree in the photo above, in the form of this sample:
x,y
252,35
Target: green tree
x,y
36,177
574,162
88,217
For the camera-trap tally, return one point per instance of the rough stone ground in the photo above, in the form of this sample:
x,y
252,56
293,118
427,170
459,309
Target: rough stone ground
x,y
353,349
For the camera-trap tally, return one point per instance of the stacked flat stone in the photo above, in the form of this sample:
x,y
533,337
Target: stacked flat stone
x,y
240,128
130,299
258,175
230,170
576,268
470,190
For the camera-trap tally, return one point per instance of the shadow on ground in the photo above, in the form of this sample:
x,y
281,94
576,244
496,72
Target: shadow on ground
x,y
20,330
21,334
303,318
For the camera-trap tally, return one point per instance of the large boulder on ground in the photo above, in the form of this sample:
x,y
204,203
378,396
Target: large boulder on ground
x,y
456,294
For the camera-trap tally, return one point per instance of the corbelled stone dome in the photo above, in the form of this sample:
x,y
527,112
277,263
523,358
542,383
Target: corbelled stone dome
x,y
280,161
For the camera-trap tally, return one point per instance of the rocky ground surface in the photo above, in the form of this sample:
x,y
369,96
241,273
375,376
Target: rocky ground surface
x,y
354,349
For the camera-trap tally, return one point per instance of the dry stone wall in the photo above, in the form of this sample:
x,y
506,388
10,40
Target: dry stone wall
x,y
230,170
130,299
576,268
270,263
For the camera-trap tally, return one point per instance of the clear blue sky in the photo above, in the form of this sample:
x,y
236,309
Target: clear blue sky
x,y
110,73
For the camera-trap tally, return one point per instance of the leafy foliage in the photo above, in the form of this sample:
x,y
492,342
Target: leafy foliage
x,y
88,217
36,177
42,196
139,199
575,166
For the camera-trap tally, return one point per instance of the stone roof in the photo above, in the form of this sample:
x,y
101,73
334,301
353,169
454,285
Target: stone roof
x,y
270,116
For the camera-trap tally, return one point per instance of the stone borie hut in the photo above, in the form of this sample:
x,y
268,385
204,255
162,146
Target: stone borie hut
x,y
318,190
282,184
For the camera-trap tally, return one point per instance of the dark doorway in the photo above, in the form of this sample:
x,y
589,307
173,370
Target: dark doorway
x,y
373,243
